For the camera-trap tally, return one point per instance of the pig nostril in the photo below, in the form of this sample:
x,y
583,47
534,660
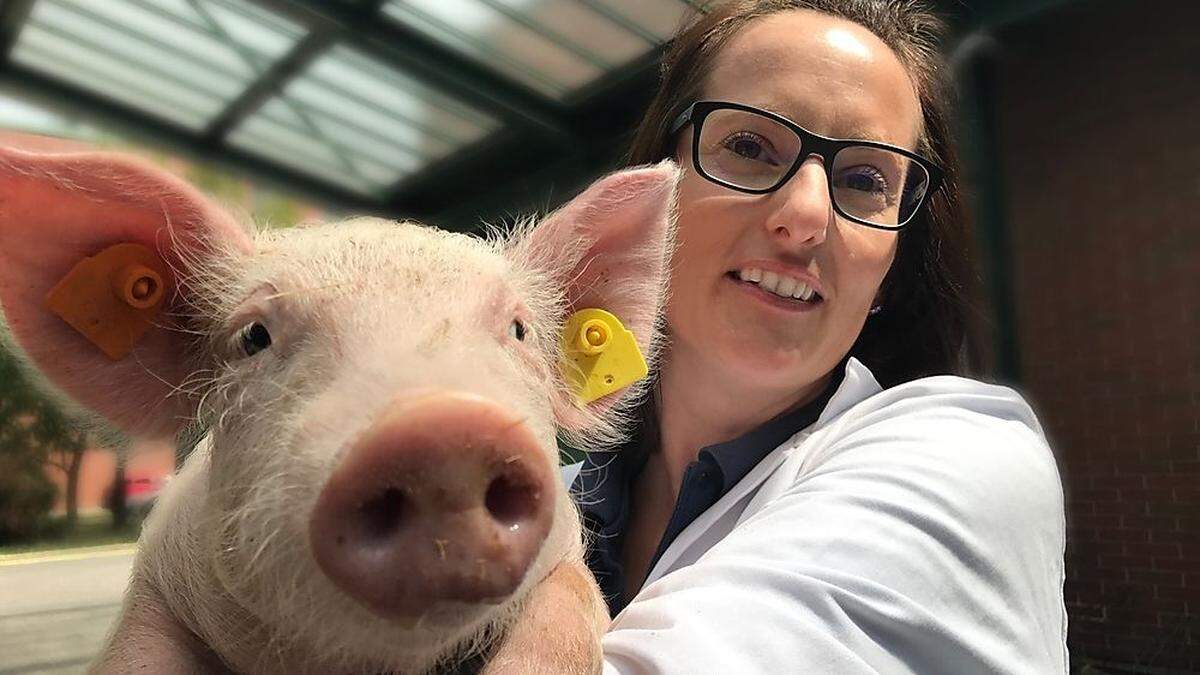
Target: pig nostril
x,y
381,516
511,501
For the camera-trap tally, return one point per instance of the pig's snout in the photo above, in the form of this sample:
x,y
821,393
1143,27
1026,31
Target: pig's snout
x,y
446,497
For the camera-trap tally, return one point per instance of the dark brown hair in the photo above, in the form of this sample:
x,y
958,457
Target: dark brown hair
x,y
926,326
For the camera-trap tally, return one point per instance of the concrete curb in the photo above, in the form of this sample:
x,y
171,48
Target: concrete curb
x,y
66,554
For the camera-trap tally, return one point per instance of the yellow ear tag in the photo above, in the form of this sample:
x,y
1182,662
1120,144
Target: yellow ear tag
x,y
602,356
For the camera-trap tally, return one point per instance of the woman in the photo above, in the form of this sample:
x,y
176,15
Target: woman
x,y
802,497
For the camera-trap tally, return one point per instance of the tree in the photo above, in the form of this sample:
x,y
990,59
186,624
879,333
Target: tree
x,y
26,495
34,433
64,443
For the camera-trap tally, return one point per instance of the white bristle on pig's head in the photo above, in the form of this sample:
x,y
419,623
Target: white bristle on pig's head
x,y
295,348
358,312
366,293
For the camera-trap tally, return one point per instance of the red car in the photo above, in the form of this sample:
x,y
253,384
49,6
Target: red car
x,y
140,493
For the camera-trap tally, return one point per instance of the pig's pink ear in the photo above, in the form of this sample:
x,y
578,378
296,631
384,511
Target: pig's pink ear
x,y
610,248
56,210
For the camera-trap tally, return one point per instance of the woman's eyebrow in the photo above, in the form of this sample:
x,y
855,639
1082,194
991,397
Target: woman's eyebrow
x,y
860,133
842,127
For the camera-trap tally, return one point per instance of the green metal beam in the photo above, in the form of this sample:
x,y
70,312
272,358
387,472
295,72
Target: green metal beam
x,y
263,72
427,60
976,72
269,84
13,14
975,61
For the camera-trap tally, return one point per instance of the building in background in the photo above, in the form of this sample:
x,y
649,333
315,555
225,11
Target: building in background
x,y
1097,106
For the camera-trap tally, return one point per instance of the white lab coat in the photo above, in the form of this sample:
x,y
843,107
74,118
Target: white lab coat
x,y
918,529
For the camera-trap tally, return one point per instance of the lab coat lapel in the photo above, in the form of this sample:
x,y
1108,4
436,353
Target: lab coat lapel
x,y
706,520
857,385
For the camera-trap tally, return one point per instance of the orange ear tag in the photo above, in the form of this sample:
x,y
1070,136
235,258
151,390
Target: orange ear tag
x,y
113,297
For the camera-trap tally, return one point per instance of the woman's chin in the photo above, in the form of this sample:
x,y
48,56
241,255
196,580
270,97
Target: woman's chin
x,y
779,368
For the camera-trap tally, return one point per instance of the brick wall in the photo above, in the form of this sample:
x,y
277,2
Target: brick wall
x,y
1099,109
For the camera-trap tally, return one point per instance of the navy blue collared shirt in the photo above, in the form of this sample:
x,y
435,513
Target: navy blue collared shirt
x,y
605,483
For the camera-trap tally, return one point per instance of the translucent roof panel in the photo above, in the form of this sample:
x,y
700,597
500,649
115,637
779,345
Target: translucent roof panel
x,y
359,123
552,46
182,60
18,114
660,18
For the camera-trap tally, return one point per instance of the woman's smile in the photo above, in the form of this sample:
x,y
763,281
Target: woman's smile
x,y
775,291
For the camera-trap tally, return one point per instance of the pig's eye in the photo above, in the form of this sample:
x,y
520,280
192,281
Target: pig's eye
x,y
254,338
517,330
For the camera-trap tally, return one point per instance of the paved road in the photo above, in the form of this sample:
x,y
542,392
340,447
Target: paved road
x,y
54,615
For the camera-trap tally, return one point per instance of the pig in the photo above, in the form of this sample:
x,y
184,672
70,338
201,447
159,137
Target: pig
x,y
378,488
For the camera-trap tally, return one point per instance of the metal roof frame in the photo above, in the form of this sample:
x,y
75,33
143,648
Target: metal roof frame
x,y
425,58
577,134
532,120
42,89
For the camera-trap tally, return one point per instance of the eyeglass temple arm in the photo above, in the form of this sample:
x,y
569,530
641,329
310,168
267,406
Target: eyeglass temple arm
x,y
683,118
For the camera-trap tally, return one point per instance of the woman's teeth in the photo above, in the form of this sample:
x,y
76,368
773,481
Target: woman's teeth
x,y
783,286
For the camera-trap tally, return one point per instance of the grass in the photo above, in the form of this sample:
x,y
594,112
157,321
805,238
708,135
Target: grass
x,y
92,529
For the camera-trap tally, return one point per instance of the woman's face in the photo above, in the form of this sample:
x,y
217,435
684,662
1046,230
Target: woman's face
x,y
834,78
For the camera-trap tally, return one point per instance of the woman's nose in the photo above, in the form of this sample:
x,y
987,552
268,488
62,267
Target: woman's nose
x,y
803,211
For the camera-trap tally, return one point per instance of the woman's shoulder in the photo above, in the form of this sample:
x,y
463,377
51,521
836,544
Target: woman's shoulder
x,y
937,500
965,401
946,433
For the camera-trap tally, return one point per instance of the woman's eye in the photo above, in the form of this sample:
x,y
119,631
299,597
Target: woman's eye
x,y
747,148
254,338
517,330
863,179
747,145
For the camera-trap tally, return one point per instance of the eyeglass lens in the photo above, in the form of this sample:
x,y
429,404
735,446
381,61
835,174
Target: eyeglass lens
x,y
754,152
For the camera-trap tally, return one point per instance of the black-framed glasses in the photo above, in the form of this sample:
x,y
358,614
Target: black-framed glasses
x,y
756,151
